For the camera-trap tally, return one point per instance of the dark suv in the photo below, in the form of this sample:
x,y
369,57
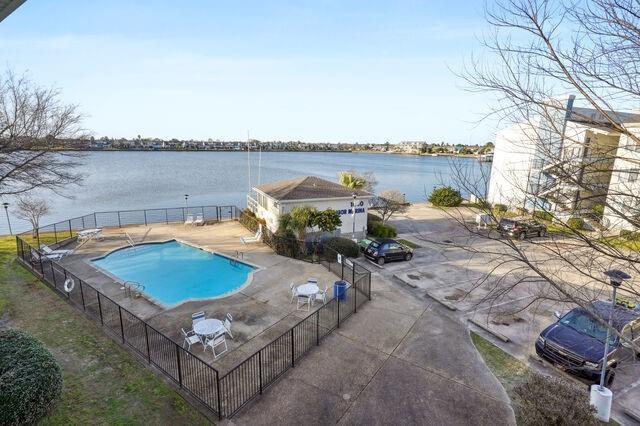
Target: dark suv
x,y
381,251
521,228
576,341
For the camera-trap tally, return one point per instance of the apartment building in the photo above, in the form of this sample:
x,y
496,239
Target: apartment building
x,y
566,163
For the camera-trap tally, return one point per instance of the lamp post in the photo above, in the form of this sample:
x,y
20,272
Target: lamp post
x,y
601,397
6,211
353,234
186,201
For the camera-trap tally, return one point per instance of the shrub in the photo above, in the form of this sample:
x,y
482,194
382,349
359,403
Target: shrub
x,y
597,211
30,378
500,208
542,215
343,246
381,230
576,223
552,401
630,235
445,196
249,220
521,211
284,243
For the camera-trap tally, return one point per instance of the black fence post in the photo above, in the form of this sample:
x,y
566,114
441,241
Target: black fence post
x,y
338,302
293,353
145,217
70,231
219,396
119,223
183,217
146,338
342,268
84,307
260,369
55,232
318,327
355,289
83,225
179,367
100,308
121,323
53,275
166,216
95,220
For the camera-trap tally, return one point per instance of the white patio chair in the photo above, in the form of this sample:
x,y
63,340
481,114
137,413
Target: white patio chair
x,y
199,220
256,238
227,326
294,291
190,338
303,300
190,220
215,342
49,253
321,295
197,317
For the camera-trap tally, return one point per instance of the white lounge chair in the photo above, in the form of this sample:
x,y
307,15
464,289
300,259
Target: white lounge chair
x,y
49,253
190,338
197,317
215,342
89,234
199,220
227,325
190,220
256,238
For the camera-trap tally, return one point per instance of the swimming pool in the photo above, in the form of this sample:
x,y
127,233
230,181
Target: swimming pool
x,y
173,272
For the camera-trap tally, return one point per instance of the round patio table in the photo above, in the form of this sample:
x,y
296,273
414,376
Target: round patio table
x,y
308,289
207,327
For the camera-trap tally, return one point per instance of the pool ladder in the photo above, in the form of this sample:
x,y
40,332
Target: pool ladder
x,y
238,255
132,289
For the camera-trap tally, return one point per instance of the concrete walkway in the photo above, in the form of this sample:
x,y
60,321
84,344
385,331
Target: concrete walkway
x,y
400,360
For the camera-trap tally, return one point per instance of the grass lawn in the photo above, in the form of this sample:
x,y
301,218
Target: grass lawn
x,y
103,384
408,243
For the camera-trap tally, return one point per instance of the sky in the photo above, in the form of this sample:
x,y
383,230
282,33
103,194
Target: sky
x,y
316,71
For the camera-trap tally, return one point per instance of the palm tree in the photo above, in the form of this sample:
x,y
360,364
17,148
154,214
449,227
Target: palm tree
x,y
351,180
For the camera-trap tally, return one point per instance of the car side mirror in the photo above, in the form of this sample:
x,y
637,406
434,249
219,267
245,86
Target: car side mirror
x,y
557,314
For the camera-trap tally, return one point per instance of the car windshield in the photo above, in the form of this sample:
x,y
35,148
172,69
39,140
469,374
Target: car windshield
x,y
507,223
585,324
375,244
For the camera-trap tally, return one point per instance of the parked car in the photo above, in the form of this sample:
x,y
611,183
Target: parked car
x,y
521,228
576,341
386,250
364,243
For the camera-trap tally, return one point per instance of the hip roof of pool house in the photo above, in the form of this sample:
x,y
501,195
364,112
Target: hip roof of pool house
x,y
308,188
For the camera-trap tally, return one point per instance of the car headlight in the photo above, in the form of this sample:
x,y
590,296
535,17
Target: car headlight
x,y
541,340
592,365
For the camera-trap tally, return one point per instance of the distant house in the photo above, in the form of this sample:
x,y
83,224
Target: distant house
x,y
271,200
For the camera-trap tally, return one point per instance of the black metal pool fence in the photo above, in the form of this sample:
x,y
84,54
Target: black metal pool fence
x,y
219,395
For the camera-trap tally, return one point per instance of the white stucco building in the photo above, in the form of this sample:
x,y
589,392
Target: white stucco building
x,y
271,200
564,163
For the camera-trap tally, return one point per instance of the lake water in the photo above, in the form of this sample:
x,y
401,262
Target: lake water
x,y
134,180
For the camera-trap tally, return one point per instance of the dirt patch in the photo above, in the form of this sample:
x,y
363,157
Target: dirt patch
x,y
457,294
506,320
414,277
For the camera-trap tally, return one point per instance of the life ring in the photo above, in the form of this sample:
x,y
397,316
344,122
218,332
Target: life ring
x,y
69,284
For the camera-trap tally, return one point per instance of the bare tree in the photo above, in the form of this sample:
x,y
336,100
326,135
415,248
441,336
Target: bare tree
x,y
570,157
38,135
388,203
32,210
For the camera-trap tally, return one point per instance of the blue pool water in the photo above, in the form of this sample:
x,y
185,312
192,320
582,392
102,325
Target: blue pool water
x,y
173,272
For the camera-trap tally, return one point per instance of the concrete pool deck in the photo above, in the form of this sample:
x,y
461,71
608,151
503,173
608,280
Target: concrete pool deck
x,y
261,310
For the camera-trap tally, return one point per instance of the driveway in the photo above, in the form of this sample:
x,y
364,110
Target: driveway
x,y
402,359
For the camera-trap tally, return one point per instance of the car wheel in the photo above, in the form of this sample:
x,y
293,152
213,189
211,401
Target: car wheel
x,y
522,236
408,257
381,261
608,379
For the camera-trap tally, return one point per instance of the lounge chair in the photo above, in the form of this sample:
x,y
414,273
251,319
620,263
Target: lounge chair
x,y
89,234
215,342
49,253
256,238
197,317
190,338
199,220
190,220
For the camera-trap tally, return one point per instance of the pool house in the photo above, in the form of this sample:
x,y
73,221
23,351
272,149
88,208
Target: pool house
x,y
269,201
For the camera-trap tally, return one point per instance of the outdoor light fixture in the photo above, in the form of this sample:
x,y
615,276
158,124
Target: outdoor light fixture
x,y
601,397
6,211
186,200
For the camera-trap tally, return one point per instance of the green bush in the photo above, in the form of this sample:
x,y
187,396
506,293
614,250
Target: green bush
x,y
284,243
576,223
380,230
249,220
542,215
552,401
500,208
630,235
344,246
445,196
597,211
30,378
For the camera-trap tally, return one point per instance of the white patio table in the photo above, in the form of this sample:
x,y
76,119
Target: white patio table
x,y
307,289
208,327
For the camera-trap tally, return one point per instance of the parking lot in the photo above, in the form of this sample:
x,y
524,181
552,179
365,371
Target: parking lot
x,y
456,279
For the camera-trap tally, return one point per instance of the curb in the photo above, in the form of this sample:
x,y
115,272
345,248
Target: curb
x,y
634,414
495,334
429,295
412,285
